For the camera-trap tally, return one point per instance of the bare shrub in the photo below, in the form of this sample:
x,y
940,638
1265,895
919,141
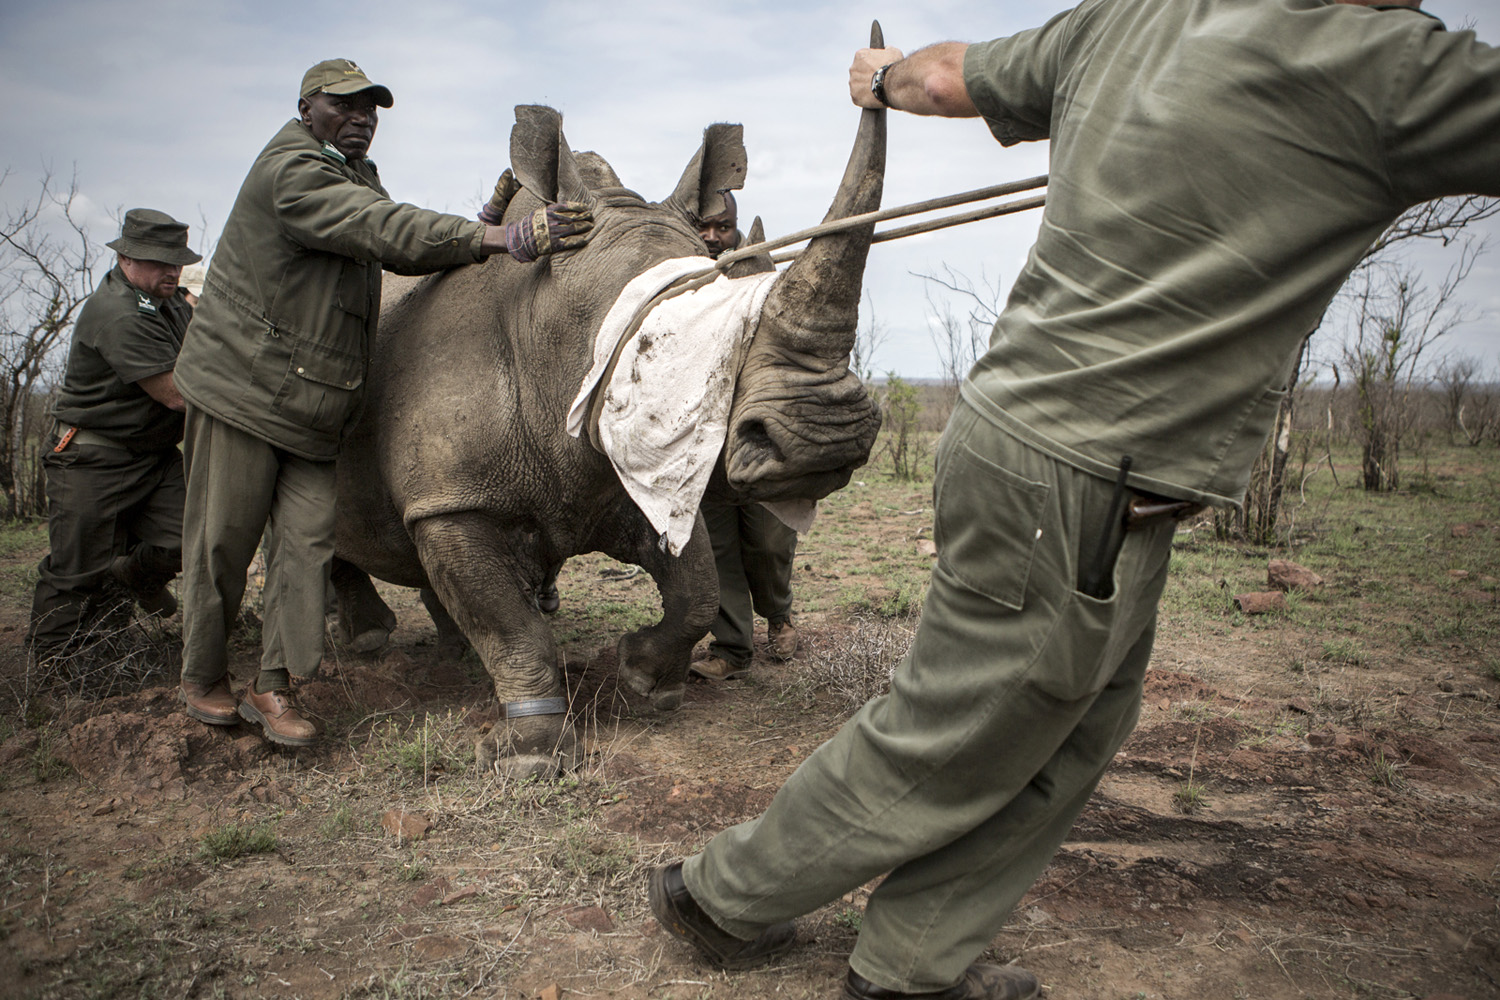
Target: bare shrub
x,y
1396,318
901,411
116,655
47,261
857,665
961,340
868,340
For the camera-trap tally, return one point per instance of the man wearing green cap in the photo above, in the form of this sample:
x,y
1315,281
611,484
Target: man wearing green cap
x,y
114,474
272,369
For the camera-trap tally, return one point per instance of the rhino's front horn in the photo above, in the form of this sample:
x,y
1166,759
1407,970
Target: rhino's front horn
x,y
814,308
802,422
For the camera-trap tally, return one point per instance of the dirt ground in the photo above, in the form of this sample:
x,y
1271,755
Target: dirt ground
x,y
1268,832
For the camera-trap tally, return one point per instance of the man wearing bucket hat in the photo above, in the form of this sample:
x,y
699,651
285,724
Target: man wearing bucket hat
x,y
273,368
114,474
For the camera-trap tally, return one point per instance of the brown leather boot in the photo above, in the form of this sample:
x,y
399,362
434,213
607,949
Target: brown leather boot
x,y
716,668
781,639
211,703
677,911
276,713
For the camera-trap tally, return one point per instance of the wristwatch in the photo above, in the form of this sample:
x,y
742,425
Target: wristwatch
x,y
877,84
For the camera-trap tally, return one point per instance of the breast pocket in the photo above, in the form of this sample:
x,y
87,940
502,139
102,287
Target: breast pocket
x,y
354,289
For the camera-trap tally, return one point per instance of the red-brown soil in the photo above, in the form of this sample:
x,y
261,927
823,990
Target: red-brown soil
x,y
1345,840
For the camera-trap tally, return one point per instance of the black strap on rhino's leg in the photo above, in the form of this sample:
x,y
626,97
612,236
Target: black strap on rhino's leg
x,y
536,706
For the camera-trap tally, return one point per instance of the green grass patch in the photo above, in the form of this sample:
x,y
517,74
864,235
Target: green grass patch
x,y
338,824
1342,650
1189,798
234,840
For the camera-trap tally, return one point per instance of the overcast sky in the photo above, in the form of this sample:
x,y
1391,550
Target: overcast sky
x,y
164,104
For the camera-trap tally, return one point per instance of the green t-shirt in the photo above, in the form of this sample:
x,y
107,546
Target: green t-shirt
x,y
122,336
1217,170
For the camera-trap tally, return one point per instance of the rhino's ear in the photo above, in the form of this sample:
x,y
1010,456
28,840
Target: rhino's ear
x,y
541,159
534,143
719,165
761,263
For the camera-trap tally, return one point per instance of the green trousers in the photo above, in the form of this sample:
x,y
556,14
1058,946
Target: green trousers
x,y
237,487
101,503
754,552
960,784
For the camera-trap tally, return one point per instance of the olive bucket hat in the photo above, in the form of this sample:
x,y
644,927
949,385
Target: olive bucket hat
x,y
151,235
341,76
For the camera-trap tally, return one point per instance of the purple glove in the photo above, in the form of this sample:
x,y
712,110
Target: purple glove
x,y
563,225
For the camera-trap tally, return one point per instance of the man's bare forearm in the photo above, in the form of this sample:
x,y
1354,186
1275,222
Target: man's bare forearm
x,y
928,82
162,387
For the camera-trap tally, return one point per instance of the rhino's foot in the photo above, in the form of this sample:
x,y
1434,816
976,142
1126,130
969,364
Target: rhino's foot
x,y
534,747
371,640
524,766
668,698
663,697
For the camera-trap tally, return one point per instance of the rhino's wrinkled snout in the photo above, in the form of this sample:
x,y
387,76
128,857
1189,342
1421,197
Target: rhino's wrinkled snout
x,y
798,434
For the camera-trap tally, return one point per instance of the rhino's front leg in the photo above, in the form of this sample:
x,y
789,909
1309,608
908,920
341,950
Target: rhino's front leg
x,y
475,576
653,661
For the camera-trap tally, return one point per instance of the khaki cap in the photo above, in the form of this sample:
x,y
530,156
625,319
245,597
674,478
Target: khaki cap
x,y
151,235
342,76
192,278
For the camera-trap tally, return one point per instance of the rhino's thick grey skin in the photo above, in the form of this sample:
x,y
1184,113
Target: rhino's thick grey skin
x,y
460,479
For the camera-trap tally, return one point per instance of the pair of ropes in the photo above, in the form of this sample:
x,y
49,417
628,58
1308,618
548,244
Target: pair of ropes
x,y
917,208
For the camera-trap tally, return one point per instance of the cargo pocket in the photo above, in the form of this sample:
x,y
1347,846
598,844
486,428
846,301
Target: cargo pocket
x,y
321,389
987,526
1090,636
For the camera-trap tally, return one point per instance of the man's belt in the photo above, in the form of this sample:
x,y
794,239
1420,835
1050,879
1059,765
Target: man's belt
x,y
68,434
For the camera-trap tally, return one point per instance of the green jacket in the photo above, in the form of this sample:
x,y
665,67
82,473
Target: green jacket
x,y
278,345
123,335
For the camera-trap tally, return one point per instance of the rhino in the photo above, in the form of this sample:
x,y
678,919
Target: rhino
x,y
459,478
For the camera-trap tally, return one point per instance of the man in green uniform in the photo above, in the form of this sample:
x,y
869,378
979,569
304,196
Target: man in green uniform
x,y
114,474
1218,168
272,369
753,550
